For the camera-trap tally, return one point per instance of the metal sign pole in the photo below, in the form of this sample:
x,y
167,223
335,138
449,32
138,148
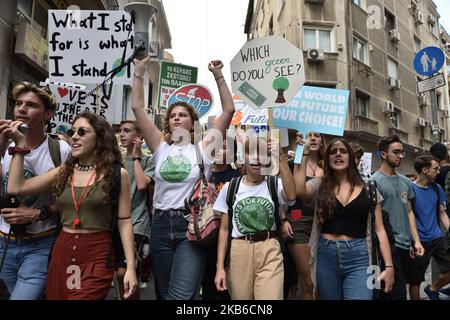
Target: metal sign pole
x,y
434,119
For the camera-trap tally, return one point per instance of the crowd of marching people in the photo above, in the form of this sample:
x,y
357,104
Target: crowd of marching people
x,y
76,215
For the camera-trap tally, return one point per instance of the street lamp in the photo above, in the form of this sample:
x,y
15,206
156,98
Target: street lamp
x,y
141,14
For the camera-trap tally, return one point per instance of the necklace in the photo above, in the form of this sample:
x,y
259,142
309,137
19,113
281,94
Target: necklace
x,y
76,220
313,169
83,167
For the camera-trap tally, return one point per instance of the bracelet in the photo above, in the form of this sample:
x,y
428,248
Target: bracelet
x,y
19,150
284,220
306,154
389,266
125,218
138,76
137,158
219,77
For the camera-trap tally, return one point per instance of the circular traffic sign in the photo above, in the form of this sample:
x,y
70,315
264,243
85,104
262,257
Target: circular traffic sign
x,y
429,61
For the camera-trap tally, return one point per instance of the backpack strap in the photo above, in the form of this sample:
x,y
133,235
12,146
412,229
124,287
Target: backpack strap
x,y
371,189
54,149
233,188
272,185
114,200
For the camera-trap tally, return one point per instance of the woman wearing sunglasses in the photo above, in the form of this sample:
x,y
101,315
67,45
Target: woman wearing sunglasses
x,y
78,268
178,263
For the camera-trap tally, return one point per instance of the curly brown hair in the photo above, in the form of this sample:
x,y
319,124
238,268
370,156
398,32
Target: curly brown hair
x,y
327,196
192,113
105,145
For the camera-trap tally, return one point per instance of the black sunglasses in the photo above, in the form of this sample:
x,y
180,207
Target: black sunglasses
x,y
80,131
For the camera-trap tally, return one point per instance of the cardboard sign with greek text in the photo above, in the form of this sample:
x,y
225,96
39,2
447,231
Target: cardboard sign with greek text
x,y
314,109
83,46
171,77
267,72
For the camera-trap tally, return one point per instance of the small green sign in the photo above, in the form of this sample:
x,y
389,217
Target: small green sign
x,y
250,92
171,77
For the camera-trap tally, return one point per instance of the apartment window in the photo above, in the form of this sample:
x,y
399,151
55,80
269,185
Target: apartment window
x,y
317,38
36,12
417,44
362,105
360,3
434,29
395,119
389,20
392,68
360,50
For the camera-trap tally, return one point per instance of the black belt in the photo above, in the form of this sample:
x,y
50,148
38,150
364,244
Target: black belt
x,y
260,236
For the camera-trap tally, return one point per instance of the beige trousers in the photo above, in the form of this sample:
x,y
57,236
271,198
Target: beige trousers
x,y
256,270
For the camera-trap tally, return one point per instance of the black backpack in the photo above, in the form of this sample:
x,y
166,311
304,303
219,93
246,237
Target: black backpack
x,y
272,185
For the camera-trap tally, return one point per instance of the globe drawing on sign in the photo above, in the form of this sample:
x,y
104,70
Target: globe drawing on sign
x,y
175,169
118,63
280,84
61,129
254,214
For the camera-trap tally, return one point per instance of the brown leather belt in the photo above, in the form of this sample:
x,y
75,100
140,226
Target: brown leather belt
x,y
260,236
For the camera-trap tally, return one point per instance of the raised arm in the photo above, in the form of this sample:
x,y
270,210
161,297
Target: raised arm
x,y
221,122
17,185
303,190
151,133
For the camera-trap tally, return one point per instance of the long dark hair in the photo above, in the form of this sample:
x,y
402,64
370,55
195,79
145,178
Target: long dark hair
x,y
327,196
107,151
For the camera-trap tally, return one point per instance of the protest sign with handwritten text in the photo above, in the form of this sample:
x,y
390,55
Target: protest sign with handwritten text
x,y
267,72
73,101
83,46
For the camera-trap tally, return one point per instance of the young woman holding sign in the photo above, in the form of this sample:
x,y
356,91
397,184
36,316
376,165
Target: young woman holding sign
x,y
178,263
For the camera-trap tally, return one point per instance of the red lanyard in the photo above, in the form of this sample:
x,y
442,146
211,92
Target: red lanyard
x,y
76,221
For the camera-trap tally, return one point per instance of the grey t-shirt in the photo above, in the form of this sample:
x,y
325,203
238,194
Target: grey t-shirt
x,y
396,191
139,209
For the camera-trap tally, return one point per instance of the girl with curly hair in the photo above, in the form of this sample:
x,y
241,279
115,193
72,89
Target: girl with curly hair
x,y
78,266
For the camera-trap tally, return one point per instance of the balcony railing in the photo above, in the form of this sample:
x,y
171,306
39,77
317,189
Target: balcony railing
x,y
401,134
110,4
366,125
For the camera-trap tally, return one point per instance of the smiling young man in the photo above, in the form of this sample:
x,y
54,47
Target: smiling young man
x,y
397,192
25,267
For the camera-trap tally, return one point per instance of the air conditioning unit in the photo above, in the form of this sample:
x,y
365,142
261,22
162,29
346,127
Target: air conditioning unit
x,y
418,17
316,55
432,19
394,84
388,107
445,113
421,122
395,35
315,1
423,100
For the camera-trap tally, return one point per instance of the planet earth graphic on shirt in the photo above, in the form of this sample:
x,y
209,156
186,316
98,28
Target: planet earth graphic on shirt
x,y
254,214
175,169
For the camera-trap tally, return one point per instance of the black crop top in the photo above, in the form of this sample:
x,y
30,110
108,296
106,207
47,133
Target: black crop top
x,y
350,220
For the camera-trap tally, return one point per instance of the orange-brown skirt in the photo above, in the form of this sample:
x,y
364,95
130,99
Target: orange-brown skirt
x,y
78,268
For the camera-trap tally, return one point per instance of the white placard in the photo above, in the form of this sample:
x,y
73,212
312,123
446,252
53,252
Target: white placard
x,y
83,46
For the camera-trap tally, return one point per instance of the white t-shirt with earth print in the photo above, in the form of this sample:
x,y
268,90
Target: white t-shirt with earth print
x,y
253,208
176,172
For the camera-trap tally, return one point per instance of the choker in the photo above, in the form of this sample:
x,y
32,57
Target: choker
x,y
82,167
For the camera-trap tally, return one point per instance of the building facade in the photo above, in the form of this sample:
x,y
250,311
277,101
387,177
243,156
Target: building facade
x,y
366,47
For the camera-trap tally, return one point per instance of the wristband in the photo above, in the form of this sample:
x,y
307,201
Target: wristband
x,y
284,220
219,77
389,266
306,154
14,150
137,158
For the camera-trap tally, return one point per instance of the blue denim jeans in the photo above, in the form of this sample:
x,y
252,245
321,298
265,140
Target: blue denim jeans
x,y
25,269
342,270
178,264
